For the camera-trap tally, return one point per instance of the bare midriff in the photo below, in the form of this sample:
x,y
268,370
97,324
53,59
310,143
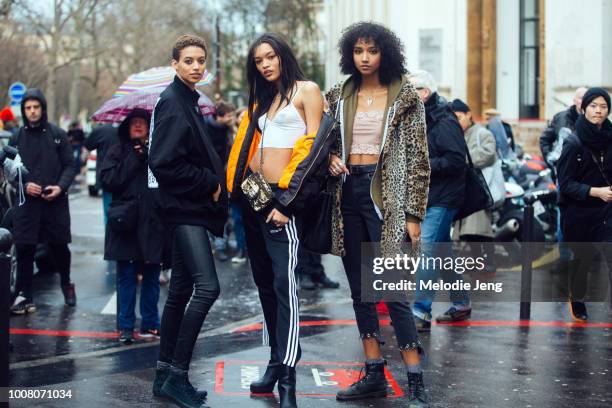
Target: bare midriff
x,y
274,162
363,159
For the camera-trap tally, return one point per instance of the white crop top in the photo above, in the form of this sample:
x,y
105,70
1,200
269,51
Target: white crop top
x,y
284,129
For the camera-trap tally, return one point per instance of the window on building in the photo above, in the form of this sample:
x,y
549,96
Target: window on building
x,y
530,59
430,52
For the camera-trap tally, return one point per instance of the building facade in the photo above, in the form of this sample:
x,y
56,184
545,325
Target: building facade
x,y
523,57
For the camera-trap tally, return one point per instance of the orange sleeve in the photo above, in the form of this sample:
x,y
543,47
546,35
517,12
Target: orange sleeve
x,y
234,156
301,150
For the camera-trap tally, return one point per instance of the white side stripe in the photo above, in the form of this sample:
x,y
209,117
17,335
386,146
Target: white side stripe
x,y
292,346
288,350
152,181
295,294
294,298
293,337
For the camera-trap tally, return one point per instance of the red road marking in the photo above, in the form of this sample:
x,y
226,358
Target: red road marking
x,y
524,323
316,323
65,333
466,323
220,378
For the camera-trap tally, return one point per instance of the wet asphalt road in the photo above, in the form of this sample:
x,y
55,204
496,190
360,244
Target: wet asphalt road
x,y
493,362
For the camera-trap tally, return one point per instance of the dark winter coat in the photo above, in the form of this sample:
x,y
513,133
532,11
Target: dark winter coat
x,y
220,135
184,164
76,137
584,218
124,173
101,139
447,155
47,154
564,119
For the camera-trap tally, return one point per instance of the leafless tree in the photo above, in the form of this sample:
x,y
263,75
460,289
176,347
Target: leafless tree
x,y
242,22
59,34
20,59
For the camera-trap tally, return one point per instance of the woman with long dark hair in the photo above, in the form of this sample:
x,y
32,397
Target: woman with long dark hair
x,y
268,173
382,166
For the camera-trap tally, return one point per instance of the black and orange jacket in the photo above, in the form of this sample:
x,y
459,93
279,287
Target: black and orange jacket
x,y
301,178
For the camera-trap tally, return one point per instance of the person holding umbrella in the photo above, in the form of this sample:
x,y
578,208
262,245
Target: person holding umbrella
x,y
189,175
134,234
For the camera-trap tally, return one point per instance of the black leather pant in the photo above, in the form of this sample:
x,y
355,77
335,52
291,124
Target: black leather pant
x,y
193,281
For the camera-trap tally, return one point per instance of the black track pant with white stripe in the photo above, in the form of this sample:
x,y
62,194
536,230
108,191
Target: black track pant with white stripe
x,y
273,252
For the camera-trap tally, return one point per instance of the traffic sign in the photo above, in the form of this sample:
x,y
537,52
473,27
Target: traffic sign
x,y
16,92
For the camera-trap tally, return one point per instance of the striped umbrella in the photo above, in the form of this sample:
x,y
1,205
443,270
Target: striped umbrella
x,y
159,77
115,110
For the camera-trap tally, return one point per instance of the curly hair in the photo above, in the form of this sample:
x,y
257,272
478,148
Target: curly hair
x,y
393,61
187,40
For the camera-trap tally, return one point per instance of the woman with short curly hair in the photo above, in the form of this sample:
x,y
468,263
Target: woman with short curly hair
x,y
382,166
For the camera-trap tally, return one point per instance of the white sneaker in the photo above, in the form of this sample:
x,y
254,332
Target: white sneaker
x,y
239,259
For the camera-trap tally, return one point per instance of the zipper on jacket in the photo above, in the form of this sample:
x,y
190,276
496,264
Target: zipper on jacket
x,y
391,114
340,113
331,128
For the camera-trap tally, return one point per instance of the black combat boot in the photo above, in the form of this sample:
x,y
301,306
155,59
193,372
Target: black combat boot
x,y
417,396
161,374
177,388
265,384
372,385
70,298
286,387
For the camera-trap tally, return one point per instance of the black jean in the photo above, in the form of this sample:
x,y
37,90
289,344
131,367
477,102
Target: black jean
x,y
273,253
25,265
310,264
193,281
585,231
362,224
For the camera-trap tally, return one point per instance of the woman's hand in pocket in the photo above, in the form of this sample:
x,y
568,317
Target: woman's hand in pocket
x,y
277,218
413,229
217,194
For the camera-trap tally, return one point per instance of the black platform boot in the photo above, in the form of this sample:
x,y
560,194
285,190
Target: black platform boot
x,y
417,396
372,385
266,383
286,387
70,298
161,374
177,388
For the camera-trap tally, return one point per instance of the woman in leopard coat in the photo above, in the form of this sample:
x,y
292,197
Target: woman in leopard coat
x,y
382,165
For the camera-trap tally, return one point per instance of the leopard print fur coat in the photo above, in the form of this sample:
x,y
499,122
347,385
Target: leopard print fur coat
x,y
403,170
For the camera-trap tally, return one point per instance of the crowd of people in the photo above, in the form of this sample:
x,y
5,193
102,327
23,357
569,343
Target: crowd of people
x,y
394,151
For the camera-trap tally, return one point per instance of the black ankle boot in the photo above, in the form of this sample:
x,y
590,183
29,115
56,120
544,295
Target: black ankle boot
x,y
161,374
177,388
372,385
266,383
286,387
69,294
417,396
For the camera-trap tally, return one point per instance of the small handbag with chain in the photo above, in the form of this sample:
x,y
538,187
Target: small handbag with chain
x,y
255,187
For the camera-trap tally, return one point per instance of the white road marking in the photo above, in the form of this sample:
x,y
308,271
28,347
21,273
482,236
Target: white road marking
x,y
111,306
